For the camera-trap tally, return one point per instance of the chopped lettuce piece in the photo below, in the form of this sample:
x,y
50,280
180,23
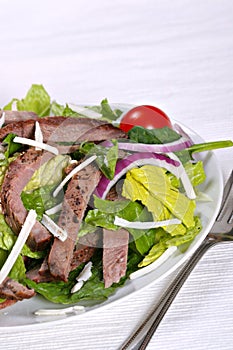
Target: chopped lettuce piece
x,y
65,111
49,174
7,237
107,112
104,108
40,200
106,157
164,241
150,185
37,100
11,148
195,172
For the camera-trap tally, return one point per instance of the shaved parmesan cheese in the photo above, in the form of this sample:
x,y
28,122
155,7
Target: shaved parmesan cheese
x,y
84,275
54,210
143,271
184,177
22,237
2,119
60,312
54,228
72,173
33,143
87,112
145,225
14,106
38,134
77,287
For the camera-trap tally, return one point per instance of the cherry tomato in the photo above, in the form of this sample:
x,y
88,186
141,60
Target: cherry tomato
x,y
149,117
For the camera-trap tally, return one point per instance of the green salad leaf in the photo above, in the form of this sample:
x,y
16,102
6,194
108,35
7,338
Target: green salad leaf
x,y
36,100
150,185
93,289
164,241
155,136
106,157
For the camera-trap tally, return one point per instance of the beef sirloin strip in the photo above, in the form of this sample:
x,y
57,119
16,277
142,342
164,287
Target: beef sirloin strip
x,y
18,175
115,254
64,129
13,290
7,303
83,252
85,249
75,202
16,116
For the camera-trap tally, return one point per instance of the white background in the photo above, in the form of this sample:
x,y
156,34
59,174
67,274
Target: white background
x,y
176,55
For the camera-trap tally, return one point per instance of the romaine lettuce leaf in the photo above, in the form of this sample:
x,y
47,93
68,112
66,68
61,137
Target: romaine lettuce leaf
x,y
107,112
104,108
49,174
150,185
40,200
106,157
164,241
37,100
8,238
195,172
65,111
93,289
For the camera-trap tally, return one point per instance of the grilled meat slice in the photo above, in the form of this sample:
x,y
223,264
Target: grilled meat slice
x,y
64,129
13,290
19,173
16,116
115,253
76,199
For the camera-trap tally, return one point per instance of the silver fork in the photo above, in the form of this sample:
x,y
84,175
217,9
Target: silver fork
x,y
221,231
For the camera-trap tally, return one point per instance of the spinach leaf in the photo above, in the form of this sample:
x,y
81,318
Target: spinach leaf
x,y
155,136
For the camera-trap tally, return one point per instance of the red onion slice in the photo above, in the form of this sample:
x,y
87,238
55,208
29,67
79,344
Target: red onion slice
x,y
175,146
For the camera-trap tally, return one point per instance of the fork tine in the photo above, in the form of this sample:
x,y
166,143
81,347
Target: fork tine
x,y
226,196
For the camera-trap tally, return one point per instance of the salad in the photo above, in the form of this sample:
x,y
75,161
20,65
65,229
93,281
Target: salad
x,y
91,196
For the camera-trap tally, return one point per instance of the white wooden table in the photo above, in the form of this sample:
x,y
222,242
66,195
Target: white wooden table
x,y
174,54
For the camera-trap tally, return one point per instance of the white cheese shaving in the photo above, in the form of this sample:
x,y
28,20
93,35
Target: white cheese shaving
x,y
145,225
184,177
54,210
33,143
22,237
77,287
2,119
84,275
87,112
38,134
14,106
72,173
143,271
54,228
60,312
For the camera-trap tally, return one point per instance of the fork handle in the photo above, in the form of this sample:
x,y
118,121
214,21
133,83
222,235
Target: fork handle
x,y
146,330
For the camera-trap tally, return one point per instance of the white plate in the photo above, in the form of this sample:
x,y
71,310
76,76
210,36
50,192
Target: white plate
x,y
21,315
